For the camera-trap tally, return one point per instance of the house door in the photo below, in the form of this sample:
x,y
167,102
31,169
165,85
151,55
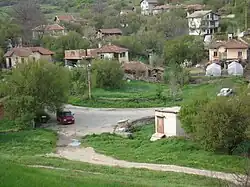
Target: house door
x,y
10,62
160,125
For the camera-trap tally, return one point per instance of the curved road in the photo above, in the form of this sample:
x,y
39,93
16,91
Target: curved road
x,y
94,120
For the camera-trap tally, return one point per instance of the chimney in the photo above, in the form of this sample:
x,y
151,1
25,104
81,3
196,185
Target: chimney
x,y
150,59
230,36
99,45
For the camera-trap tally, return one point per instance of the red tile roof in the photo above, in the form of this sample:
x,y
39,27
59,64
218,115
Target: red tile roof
x,y
229,44
27,51
52,27
66,18
111,49
111,31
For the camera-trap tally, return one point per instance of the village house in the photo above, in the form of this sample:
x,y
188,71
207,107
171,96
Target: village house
x,y
64,18
24,54
135,70
231,49
147,6
161,8
204,22
104,33
51,30
103,52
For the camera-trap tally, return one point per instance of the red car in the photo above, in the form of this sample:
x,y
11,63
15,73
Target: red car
x,y
65,117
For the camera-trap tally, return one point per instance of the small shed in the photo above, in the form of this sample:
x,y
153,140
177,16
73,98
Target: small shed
x,y
213,70
235,68
137,69
167,123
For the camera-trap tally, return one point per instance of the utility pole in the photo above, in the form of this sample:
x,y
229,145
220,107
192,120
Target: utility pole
x,y
89,77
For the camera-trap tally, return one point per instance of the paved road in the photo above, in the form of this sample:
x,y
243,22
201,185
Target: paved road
x,y
92,120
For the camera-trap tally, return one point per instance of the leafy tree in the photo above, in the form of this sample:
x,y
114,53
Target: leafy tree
x,y
109,74
218,124
33,87
27,14
184,48
72,40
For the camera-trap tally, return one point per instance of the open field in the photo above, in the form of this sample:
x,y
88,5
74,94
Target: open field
x,y
137,94
23,148
177,151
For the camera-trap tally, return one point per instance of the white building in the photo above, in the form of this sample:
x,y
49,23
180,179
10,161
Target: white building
x,y
147,6
167,123
204,22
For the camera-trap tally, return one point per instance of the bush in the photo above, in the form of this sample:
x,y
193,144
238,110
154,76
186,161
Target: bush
x,y
109,74
189,111
218,124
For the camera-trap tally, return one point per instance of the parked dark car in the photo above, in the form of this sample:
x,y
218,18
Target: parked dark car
x,y
65,117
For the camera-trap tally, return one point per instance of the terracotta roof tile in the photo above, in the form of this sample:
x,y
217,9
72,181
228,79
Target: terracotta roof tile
x,y
111,49
48,27
111,31
27,51
66,18
229,44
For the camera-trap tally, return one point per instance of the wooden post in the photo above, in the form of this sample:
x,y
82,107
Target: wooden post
x,y
89,79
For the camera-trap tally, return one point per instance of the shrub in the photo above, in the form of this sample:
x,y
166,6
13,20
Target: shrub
x,y
189,111
218,124
109,74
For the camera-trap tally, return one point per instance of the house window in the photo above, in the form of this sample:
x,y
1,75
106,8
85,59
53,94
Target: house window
x,y
34,59
239,54
22,60
102,56
122,55
215,54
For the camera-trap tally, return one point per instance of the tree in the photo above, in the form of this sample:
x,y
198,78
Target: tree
x,y
33,87
27,14
8,31
71,41
218,124
109,74
184,48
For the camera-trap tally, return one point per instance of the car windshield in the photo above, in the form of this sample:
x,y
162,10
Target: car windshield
x,y
67,113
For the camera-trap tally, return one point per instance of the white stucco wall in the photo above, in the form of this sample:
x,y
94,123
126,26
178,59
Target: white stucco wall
x,y
145,7
194,24
172,125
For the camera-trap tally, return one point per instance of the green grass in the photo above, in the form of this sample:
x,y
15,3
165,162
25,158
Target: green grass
x,y
16,175
28,142
137,94
178,151
20,149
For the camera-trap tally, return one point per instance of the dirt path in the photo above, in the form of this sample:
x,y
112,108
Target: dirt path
x,y
90,156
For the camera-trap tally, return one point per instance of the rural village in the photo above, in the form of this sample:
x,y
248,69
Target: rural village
x,y
125,93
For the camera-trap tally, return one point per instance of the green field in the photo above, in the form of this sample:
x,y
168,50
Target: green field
x,y
20,149
177,151
137,94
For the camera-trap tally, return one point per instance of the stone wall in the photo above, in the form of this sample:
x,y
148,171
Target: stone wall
x,y
142,121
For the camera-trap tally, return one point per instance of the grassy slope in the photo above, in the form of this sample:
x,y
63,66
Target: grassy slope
x,y
167,151
19,149
141,90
